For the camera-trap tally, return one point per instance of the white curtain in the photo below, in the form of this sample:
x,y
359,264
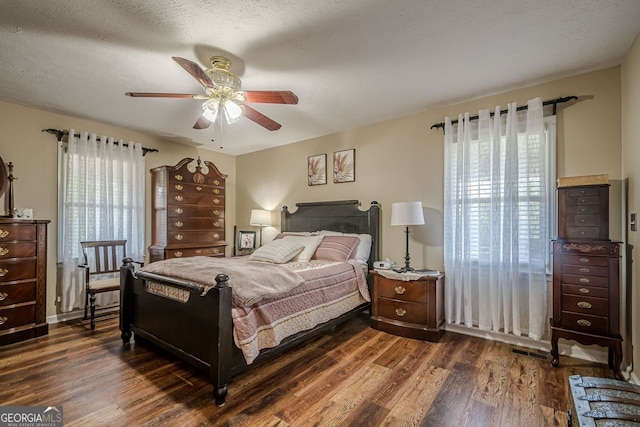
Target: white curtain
x,y
495,226
101,197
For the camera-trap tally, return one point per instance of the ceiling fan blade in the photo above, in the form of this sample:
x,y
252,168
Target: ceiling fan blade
x,y
201,123
260,118
271,97
165,95
195,70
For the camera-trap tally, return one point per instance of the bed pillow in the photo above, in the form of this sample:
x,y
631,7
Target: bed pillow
x,y
336,248
277,251
362,250
310,244
292,233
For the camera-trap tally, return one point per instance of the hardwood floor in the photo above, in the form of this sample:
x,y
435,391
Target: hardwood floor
x,y
355,376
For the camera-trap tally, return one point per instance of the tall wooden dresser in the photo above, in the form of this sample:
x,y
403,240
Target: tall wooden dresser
x,y
586,274
188,207
23,279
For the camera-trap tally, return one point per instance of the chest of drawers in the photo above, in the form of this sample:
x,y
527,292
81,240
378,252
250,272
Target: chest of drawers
x,y
412,309
586,274
23,273
188,204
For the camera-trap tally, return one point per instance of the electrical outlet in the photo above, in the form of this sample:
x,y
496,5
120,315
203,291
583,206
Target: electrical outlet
x,y
633,223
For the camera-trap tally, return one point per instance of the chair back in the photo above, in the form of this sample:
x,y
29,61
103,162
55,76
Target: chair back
x,y
104,256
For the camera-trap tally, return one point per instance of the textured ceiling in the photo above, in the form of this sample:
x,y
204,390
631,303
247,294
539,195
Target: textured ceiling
x,y
351,62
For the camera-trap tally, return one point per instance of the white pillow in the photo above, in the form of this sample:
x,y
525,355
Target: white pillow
x,y
310,243
277,251
362,250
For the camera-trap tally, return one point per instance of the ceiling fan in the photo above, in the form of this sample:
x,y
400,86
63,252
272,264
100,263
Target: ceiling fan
x,y
222,95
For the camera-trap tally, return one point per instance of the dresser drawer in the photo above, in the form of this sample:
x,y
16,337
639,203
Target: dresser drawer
x,y
585,270
199,236
584,210
180,199
189,252
407,291
583,200
403,311
196,212
585,280
17,269
583,221
583,232
596,325
17,249
17,316
591,291
202,224
181,188
15,294
584,260
10,232
586,305
186,177
584,191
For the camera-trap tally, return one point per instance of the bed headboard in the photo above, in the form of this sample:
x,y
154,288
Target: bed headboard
x,y
342,215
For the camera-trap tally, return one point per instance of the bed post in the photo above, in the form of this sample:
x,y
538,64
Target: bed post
x,y
222,342
126,282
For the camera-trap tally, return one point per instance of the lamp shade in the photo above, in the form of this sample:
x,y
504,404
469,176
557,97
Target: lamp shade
x,y
260,218
407,213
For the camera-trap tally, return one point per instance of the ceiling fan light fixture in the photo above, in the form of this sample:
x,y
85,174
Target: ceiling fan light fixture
x,y
210,109
232,111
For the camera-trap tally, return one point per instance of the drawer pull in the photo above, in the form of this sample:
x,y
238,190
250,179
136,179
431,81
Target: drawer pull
x,y
584,280
178,254
216,212
400,290
584,259
3,296
3,319
4,251
584,290
583,200
583,191
179,187
216,224
216,182
179,198
216,235
584,270
199,188
198,251
216,250
179,223
216,201
3,272
216,191
179,177
583,322
401,312
584,304
179,211
179,237
583,220
3,233
582,233
583,210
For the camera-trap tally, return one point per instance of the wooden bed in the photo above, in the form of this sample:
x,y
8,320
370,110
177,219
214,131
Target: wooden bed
x,y
200,330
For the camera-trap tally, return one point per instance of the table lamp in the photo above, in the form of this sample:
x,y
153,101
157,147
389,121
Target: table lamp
x,y
407,213
260,218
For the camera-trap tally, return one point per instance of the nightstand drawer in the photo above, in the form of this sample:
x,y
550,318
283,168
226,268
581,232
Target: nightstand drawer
x,y
407,291
410,312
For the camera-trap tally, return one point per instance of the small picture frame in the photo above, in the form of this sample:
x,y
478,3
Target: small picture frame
x,y
317,169
344,166
246,240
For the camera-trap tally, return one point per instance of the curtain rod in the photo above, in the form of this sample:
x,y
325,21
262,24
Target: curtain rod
x,y
553,102
61,133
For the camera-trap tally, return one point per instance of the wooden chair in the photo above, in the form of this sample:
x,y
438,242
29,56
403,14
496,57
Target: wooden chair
x,y
102,261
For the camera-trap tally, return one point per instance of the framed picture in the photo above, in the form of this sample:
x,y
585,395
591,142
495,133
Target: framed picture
x,y
344,166
246,240
317,169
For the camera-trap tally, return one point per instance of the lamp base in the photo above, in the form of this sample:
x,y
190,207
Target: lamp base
x,y
404,269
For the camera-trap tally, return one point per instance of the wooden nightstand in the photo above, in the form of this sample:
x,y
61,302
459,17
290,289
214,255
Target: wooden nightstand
x,y
412,309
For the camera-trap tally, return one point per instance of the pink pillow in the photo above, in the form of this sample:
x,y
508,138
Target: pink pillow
x,y
336,248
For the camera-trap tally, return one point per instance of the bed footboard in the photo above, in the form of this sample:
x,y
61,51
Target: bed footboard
x,y
181,318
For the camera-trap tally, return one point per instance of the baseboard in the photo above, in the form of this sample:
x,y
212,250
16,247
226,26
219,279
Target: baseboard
x,y
579,352
77,314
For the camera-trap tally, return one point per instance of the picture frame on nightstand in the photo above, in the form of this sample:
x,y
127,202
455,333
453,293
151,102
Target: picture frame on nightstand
x,y
246,240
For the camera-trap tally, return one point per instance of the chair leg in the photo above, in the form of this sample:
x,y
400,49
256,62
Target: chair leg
x,y
86,304
93,311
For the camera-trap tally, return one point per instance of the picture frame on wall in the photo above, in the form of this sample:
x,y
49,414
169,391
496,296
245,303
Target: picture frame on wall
x,y
317,169
246,240
344,166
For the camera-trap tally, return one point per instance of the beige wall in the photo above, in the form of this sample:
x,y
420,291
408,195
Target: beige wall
x,y
402,160
34,155
630,164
